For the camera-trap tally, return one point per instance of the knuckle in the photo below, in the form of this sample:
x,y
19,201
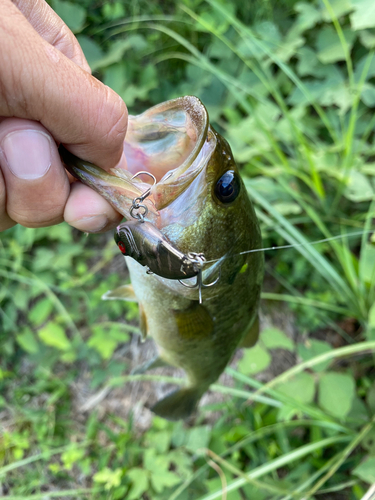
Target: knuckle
x,y
117,118
38,217
65,42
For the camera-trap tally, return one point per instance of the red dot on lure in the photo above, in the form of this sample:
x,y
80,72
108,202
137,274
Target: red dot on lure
x,y
122,248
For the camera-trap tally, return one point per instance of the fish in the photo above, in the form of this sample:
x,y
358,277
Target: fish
x,y
191,229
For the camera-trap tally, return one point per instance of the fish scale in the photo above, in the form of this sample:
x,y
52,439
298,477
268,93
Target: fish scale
x,y
199,206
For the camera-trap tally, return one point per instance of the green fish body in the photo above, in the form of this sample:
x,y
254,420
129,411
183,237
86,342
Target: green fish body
x,y
199,204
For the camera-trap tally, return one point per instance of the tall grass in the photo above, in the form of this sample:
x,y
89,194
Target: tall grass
x,y
267,443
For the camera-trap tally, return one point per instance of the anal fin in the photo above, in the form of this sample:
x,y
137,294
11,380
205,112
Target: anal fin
x,y
251,335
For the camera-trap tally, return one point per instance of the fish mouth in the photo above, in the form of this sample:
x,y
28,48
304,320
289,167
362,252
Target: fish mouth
x,y
172,141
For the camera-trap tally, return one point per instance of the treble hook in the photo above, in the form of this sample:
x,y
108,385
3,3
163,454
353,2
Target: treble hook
x,y
200,259
136,203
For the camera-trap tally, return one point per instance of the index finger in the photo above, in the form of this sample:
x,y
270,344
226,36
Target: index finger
x,y
40,83
52,28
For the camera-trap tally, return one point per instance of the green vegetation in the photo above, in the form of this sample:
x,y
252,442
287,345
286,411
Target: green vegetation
x,y
291,86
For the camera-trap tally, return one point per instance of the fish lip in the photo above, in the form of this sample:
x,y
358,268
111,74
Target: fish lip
x,y
176,182
184,121
117,186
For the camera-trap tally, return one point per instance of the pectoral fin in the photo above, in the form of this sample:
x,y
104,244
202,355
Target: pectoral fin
x,y
194,322
125,292
143,323
251,335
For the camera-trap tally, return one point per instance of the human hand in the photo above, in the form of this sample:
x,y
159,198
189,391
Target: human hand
x,y
48,96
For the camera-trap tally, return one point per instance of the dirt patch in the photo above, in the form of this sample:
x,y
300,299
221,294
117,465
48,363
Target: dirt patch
x,y
133,399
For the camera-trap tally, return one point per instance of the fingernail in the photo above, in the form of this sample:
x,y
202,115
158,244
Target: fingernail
x,y
91,224
27,153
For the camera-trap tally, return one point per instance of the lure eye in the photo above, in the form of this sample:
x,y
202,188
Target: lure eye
x,y
121,247
227,187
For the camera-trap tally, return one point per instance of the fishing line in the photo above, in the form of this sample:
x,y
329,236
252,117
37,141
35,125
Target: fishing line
x,y
294,245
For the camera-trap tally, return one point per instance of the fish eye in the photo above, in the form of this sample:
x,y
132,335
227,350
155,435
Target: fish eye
x,y
227,187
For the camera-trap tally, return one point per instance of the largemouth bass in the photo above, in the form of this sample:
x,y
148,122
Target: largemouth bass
x,y
198,205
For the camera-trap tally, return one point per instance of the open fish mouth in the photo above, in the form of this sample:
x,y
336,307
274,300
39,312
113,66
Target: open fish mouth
x,y
172,141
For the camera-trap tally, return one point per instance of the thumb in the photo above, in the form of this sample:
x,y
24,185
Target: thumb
x,y
39,82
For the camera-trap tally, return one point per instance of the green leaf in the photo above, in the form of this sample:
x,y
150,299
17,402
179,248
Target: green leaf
x,y
368,169
43,259
118,49
308,62
215,21
329,46
371,314
164,480
368,95
367,39
215,486
105,341
301,387
198,437
139,479
90,48
337,7
254,360
72,456
72,14
148,81
158,466
288,208
365,68
182,461
366,470
358,187
40,312
364,15
358,411
27,341
288,412
273,338
370,335
103,345
21,299
110,478
312,348
308,16
159,440
113,11
53,335
367,268
61,232
369,442
370,398
332,90
336,393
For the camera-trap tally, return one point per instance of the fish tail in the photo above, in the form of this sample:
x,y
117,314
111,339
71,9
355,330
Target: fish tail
x,y
179,404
